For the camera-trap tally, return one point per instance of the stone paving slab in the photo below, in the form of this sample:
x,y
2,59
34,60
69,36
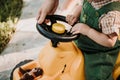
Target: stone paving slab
x,y
25,37
5,75
23,45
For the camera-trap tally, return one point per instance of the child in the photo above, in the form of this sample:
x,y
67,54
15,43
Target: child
x,y
99,29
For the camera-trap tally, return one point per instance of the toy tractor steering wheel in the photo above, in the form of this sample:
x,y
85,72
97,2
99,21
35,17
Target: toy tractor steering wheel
x,y
46,30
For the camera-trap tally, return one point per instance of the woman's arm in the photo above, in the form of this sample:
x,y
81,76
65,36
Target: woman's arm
x,y
48,7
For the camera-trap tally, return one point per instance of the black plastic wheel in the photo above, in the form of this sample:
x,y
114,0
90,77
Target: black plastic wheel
x,y
18,65
46,30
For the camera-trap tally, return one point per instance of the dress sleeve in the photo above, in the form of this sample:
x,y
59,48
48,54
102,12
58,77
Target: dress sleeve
x,y
110,22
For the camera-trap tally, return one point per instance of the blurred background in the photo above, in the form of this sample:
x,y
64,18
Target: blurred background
x,y
19,38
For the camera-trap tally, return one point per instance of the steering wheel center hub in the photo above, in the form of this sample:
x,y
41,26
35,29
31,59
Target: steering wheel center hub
x,y
58,28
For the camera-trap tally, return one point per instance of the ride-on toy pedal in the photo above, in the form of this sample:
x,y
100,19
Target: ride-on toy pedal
x,y
63,61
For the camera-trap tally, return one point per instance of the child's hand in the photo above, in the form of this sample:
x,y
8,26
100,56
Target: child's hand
x,y
80,28
71,19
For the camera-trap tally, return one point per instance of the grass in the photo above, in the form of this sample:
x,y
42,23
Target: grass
x,y
10,11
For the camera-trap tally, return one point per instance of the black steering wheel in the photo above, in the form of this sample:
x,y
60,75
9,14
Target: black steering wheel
x,y
46,30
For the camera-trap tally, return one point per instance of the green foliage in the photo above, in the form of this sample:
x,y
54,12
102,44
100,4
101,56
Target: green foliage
x,y
10,11
6,31
10,8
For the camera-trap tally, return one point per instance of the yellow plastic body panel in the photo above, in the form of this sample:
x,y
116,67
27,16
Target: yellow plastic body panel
x,y
52,60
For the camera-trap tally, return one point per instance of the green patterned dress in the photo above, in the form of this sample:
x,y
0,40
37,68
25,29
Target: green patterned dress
x,y
99,60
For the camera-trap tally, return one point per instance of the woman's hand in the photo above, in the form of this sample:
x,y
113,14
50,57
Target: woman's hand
x,y
48,7
80,28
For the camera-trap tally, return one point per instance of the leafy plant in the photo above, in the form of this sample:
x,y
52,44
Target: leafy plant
x,y
10,11
6,31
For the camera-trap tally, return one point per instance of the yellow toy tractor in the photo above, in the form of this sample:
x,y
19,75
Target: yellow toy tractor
x,y
60,59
